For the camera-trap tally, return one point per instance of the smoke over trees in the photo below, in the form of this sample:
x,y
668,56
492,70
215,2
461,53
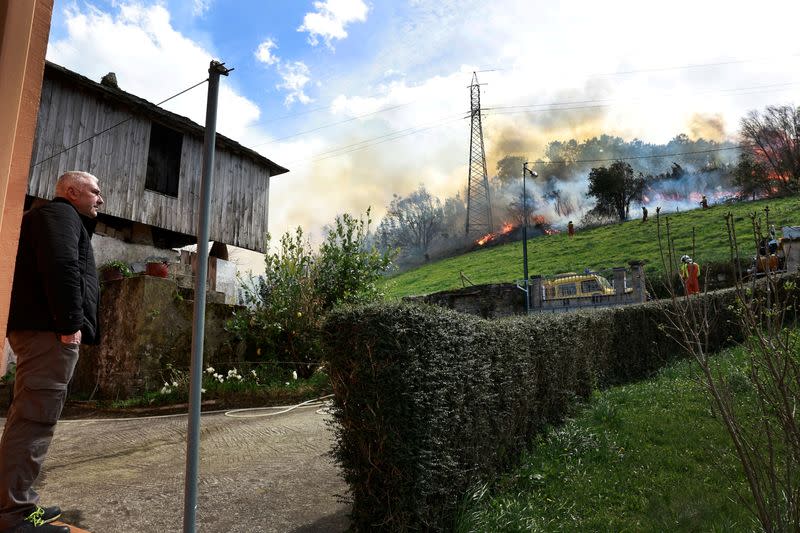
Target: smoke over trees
x,y
673,175
774,142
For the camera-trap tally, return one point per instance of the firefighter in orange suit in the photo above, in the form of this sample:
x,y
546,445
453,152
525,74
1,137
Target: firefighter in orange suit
x,y
690,274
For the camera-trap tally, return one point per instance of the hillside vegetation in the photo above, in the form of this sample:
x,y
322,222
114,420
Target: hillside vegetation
x,y
600,248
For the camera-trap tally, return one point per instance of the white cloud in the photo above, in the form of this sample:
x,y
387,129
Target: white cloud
x,y
199,7
330,19
296,76
151,60
264,52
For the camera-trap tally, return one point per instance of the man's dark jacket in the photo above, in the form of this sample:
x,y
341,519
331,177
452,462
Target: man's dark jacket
x,y
55,280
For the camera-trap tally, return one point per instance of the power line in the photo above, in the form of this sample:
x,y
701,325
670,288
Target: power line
x,y
668,68
568,105
553,106
114,126
650,156
609,101
309,111
332,124
368,143
489,69
687,67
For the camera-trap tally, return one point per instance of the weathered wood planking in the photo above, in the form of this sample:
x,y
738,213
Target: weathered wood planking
x,y
69,115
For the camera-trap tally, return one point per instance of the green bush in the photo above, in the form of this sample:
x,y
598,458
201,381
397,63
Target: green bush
x,y
281,320
430,401
285,306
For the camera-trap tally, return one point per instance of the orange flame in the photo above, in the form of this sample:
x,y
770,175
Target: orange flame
x,y
508,227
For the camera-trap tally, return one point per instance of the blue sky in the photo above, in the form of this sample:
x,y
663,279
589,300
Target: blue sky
x,y
361,99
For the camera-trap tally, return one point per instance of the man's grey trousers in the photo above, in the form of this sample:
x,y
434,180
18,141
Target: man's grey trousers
x,y
44,368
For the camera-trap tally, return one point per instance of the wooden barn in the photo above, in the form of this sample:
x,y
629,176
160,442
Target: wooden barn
x,y
149,162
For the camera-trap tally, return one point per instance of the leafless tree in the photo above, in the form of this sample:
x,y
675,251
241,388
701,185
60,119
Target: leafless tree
x,y
774,139
765,434
412,222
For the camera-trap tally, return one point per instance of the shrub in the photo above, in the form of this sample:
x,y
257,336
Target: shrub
x,y
283,313
429,401
123,267
285,306
348,270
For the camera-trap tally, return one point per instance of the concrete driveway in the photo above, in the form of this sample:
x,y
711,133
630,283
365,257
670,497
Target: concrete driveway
x,y
264,474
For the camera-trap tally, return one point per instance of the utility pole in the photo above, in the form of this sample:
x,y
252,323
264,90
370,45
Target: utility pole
x,y
215,70
526,283
479,205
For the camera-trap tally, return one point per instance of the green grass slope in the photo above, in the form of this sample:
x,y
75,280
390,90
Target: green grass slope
x,y
599,248
650,456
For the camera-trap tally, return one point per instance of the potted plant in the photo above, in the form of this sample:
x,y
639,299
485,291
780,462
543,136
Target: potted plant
x,y
114,270
157,267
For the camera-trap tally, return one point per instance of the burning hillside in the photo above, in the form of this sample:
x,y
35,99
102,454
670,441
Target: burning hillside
x,y
510,232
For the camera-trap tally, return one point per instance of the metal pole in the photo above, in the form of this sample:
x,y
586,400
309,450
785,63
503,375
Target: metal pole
x,y
198,331
525,240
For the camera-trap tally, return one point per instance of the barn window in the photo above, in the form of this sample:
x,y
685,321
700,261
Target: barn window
x,y
164,160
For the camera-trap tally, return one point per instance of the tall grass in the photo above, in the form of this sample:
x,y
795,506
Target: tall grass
x,y
700,233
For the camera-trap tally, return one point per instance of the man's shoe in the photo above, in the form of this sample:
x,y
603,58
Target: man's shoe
x,y
39,521
29,527
45,515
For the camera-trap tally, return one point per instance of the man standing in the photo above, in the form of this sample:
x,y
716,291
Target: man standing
x,y
54,308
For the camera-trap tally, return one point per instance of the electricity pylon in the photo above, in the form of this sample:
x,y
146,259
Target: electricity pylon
x,y
479,205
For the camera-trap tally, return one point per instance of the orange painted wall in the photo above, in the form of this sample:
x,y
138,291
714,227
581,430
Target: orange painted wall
x,y
25,28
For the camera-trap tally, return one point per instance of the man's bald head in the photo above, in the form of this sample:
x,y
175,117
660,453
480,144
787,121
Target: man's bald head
x,y
73,178
82,190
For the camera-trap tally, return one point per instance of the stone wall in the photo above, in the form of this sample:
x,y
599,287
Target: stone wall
x,y
487,301
146,325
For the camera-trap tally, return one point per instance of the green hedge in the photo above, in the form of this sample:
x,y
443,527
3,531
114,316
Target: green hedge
x,y
430,401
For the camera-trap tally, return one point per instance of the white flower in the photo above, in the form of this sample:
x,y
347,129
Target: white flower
x,y
210,370
254,373
221,379
202,391
287,383
238,377
174,383
165,389
294,374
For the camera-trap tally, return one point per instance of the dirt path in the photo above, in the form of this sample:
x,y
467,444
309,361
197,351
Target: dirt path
x,y
267,474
